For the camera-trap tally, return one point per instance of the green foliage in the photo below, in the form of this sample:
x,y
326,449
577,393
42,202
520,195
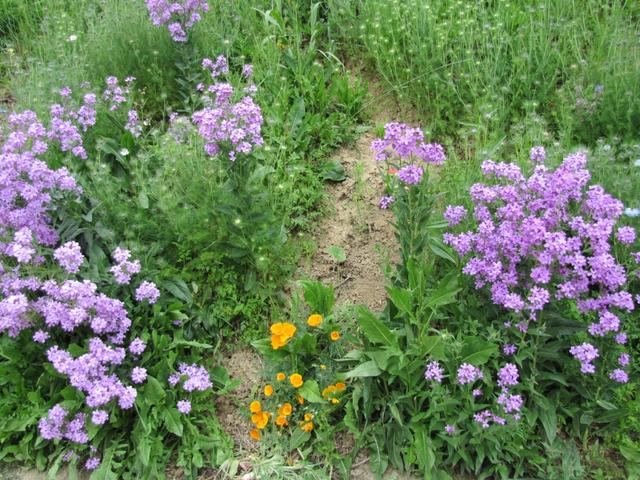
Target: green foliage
x,y
481,63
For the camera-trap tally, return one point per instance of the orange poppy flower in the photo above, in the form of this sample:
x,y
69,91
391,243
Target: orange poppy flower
x,y
314,320
268,390
280,376
255,434
335,335
296,380
255,406
285,410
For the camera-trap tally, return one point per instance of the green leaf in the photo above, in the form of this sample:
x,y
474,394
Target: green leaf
x,y
547,415
373,328
320,298
381,357
298,438
401,298
173,421
476,351
143,200
311,392
630,451
366,369
178,289
296,114
445,293
333,170
153,391
337,253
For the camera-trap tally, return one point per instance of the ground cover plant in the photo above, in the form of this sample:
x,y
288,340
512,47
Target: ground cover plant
x,y
157,196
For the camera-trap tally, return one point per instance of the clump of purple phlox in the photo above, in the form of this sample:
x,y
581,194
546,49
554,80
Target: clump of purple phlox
x,y
407,143
179,16
585,354
184,406
386,201
467,373
434,371
225,125
69,256
124,268
454,214
508,375
544,238
147,291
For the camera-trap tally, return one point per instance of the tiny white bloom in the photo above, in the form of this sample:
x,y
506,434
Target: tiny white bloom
x,y
632,212
72,38
637,163
124,152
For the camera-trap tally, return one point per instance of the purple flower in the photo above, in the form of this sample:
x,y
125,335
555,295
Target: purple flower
x,y
69,256
92,463
434,372
483,418
510,403
476,392
137,346
454,214
410,174
508,375
247,70
467,373
626,235
619,376
40,336
99,417
138,375
450,429
509,349
624,359
621,338
184,406
386,201
147,291
585,354
538,154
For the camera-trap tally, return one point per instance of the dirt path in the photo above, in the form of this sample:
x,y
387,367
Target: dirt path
x,y
365,234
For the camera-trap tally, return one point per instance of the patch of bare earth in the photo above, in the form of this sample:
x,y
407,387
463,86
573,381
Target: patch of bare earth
x,y
243,365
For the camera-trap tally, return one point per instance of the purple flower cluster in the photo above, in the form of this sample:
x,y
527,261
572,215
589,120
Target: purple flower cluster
x,y
225,125
386,201
434,372
147,291
69,308
467,373
406,143
124,268
179,16
194,378
585,354
547,237
115,96
454,215
69,256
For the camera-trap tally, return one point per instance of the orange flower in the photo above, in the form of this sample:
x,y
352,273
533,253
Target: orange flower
x,y
255,406
280,376
307,427
282,421
255,434
281,333
330,389
340,386
323,366
335,401
268,390
335,335
296,380
300,399
314,320
260,419
308,417
285,410
393,171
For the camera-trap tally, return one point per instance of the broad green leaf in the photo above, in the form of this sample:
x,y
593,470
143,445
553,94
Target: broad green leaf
x,y
153,391
381,357
373,328
547,415
476,351
173,421
445,293
366,369
333,171
311,392
298,438
319,297
401,298
337,253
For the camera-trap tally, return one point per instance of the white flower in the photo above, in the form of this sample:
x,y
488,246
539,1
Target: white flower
x,y
632,212
124,152
72,38
637,163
